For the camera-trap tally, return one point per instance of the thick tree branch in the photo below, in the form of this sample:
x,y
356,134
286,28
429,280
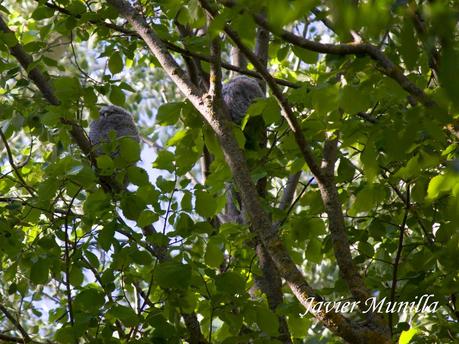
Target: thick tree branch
x,y
387,67
324,174
219,121
325,178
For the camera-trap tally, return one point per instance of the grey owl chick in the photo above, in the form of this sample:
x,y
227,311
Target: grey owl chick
x,y
238,94
112,117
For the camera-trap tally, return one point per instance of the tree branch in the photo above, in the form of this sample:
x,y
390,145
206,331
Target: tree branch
x,y
219,122
388,67
15,322
398,255
13,165
325,178
289,190
175,48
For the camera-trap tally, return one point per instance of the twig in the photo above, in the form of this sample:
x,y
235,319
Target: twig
x,y
296,201
398,256
67,259
15,322
45,88
174,47
108,294
6,338
13,165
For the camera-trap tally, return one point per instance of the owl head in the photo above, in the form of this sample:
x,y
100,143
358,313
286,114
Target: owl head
x,y
109,110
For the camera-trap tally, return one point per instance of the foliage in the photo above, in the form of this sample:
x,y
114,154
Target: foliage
x,y
75,264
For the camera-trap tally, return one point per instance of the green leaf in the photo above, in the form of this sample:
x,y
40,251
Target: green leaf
x,y
268,108
117,96
89,300
314,251
67,88
305,55
367,249
106,237
129,150
39,272
76,276
214,254
92,258
267,321
206,205
441,184
115,63
346,171
9,38
184,225
230,283
142,257
137,176
325,98
165,161
65,335
168,114
298,326
408,45
147,217
76,7
449,69
132,205
406,336
105,164
353,99
369,160
178,136
42,12
173,275
125,314
367,199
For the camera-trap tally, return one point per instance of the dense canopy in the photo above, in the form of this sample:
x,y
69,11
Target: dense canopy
x,y
341,185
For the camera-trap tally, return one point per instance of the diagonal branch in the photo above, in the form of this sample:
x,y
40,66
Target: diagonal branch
x,y
387,67
323,175
219,121
15,322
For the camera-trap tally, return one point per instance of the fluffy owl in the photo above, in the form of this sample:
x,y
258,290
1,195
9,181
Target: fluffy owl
x,y
112,118
238,94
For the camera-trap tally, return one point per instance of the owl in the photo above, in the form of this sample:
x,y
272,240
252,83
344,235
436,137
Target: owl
x,y
238,94
112,118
